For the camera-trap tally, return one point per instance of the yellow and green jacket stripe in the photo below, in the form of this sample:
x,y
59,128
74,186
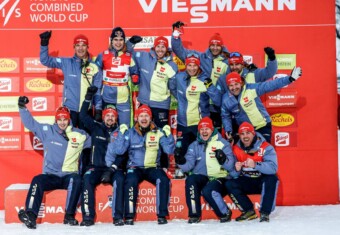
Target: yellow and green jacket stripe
x,y
154,78
144,150
193,98
200,157
248,107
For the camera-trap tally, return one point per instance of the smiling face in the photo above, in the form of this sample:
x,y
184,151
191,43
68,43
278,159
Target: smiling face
x,y
234,67
160,50
215,49
144,120
235,88
81,50
192,69
247,138
63,123
118,43
205,133
109,119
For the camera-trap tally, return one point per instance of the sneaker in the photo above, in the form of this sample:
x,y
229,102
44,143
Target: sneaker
x,y
87,223
194,220
129,221
69,219
162,220
28,218
248,215
264,217
226,218
118,222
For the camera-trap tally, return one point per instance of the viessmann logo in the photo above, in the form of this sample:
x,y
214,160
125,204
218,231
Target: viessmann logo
x,y
8,65
281,97
39,84
200,10
282,119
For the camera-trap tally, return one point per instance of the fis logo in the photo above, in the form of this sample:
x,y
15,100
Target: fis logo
x,y
8,11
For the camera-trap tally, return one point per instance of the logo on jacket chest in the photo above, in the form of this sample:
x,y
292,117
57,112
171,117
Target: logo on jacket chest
x,y
74,143
152,141
247,101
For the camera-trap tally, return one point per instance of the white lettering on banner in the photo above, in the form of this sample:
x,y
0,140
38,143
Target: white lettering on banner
x,y
199,9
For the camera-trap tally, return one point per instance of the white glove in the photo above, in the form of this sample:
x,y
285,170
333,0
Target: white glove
x,y
296,73
123,128
176,33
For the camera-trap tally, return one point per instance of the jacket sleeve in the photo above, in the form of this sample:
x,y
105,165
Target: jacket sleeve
x,y
178,48
269,71
122,143
269,164
204,104
49,61
268,86
226,114
98,82
110,156
215,95
190,158
99,60
167,143
221,85
39,130
229,165
85,117
173,85
88,141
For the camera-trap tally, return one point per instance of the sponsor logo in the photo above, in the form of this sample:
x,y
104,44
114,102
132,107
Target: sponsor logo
x,y
8,11
193,88
39,104
37,145
152,138
281,97
39,84
74,140
286,61
201,10
33,65
282,119
148,42
5,84
173,119
6,124
8,65
282,139
10,142
248,59
284,99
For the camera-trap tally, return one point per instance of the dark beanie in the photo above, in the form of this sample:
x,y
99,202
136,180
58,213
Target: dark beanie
x,y
118,32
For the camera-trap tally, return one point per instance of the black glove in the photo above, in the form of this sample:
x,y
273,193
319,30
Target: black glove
x,y
177,24
270,53
135,39
98,115
90,92
45,38
107,175
252,67
22,101
208,82
179,158
220,156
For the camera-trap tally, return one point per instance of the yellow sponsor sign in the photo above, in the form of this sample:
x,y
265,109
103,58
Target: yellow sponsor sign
x,y
282,119
43,119
9,104
180,64
8,65
39,84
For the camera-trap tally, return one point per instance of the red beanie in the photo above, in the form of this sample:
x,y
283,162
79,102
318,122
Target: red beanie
x,y
81,38
161,40
194,60
233,77
216,39
205,122
62,112
246,127
235,58
144,109
110,109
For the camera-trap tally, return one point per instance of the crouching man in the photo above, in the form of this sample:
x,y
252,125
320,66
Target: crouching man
x,y
63,145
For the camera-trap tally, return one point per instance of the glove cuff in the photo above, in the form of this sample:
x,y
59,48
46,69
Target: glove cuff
x,y
44,42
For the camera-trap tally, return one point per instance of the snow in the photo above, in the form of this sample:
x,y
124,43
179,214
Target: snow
x,y
285,220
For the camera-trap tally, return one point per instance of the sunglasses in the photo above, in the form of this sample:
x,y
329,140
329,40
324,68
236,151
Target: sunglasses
x,y
193,54
234,54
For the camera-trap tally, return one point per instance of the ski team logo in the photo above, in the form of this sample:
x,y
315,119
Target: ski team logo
x,y
6,124
5,85
8,11
39,104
